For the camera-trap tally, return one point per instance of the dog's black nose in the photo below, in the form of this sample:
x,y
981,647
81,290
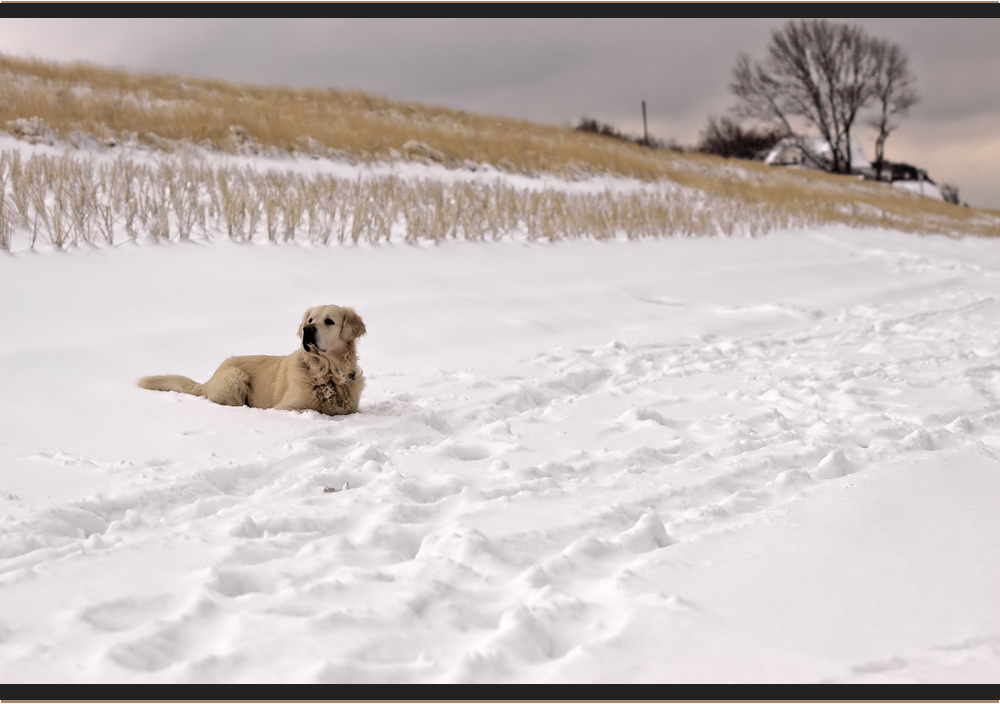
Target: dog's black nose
x,y
308,337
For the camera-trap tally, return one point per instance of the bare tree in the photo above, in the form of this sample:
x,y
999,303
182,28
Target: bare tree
x,y
894,94
817,71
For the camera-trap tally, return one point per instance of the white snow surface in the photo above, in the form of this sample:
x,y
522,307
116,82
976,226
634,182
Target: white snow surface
x,y
690,460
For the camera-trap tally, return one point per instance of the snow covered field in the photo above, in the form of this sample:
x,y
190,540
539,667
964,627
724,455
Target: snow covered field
x,y
692,460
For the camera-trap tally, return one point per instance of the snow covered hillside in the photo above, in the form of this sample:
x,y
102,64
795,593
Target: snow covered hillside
x,y
679,459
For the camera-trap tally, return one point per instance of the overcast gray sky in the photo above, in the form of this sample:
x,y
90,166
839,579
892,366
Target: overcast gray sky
x,y
557,70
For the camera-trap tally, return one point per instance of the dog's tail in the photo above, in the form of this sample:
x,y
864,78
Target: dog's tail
x,y
172,382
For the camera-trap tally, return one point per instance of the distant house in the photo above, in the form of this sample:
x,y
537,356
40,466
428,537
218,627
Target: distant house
x,y
910,178
813,152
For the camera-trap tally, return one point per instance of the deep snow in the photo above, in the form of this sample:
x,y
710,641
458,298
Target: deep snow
x,y
715,459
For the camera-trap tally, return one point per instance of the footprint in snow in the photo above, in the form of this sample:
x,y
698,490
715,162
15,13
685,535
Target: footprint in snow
x,y
126,613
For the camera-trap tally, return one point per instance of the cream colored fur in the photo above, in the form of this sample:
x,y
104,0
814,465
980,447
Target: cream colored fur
x,y
322,375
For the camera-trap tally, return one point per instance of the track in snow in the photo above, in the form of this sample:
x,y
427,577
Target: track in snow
x,y
495,526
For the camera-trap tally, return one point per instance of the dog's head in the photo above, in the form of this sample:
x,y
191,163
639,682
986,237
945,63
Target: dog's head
x,y
330,330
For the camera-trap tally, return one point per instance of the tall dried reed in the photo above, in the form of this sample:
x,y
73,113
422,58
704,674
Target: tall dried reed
x,y
75,200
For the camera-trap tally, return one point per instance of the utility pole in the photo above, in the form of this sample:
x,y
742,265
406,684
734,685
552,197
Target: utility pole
x,y
645,132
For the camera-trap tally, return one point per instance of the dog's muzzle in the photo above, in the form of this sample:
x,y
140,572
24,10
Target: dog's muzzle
x,y
309,337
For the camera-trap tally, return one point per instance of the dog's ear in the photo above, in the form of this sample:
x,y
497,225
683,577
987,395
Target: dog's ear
x,y
303,323
352,326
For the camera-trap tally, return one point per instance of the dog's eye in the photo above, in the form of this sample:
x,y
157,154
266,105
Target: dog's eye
x,y
329,322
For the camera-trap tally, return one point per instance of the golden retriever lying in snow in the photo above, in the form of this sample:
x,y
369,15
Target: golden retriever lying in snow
x,y
323,375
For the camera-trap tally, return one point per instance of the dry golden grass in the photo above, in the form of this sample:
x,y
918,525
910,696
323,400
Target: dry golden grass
x,y
161,110
103,101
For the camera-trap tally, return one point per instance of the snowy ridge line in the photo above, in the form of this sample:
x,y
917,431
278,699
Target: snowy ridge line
x,y
728,430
